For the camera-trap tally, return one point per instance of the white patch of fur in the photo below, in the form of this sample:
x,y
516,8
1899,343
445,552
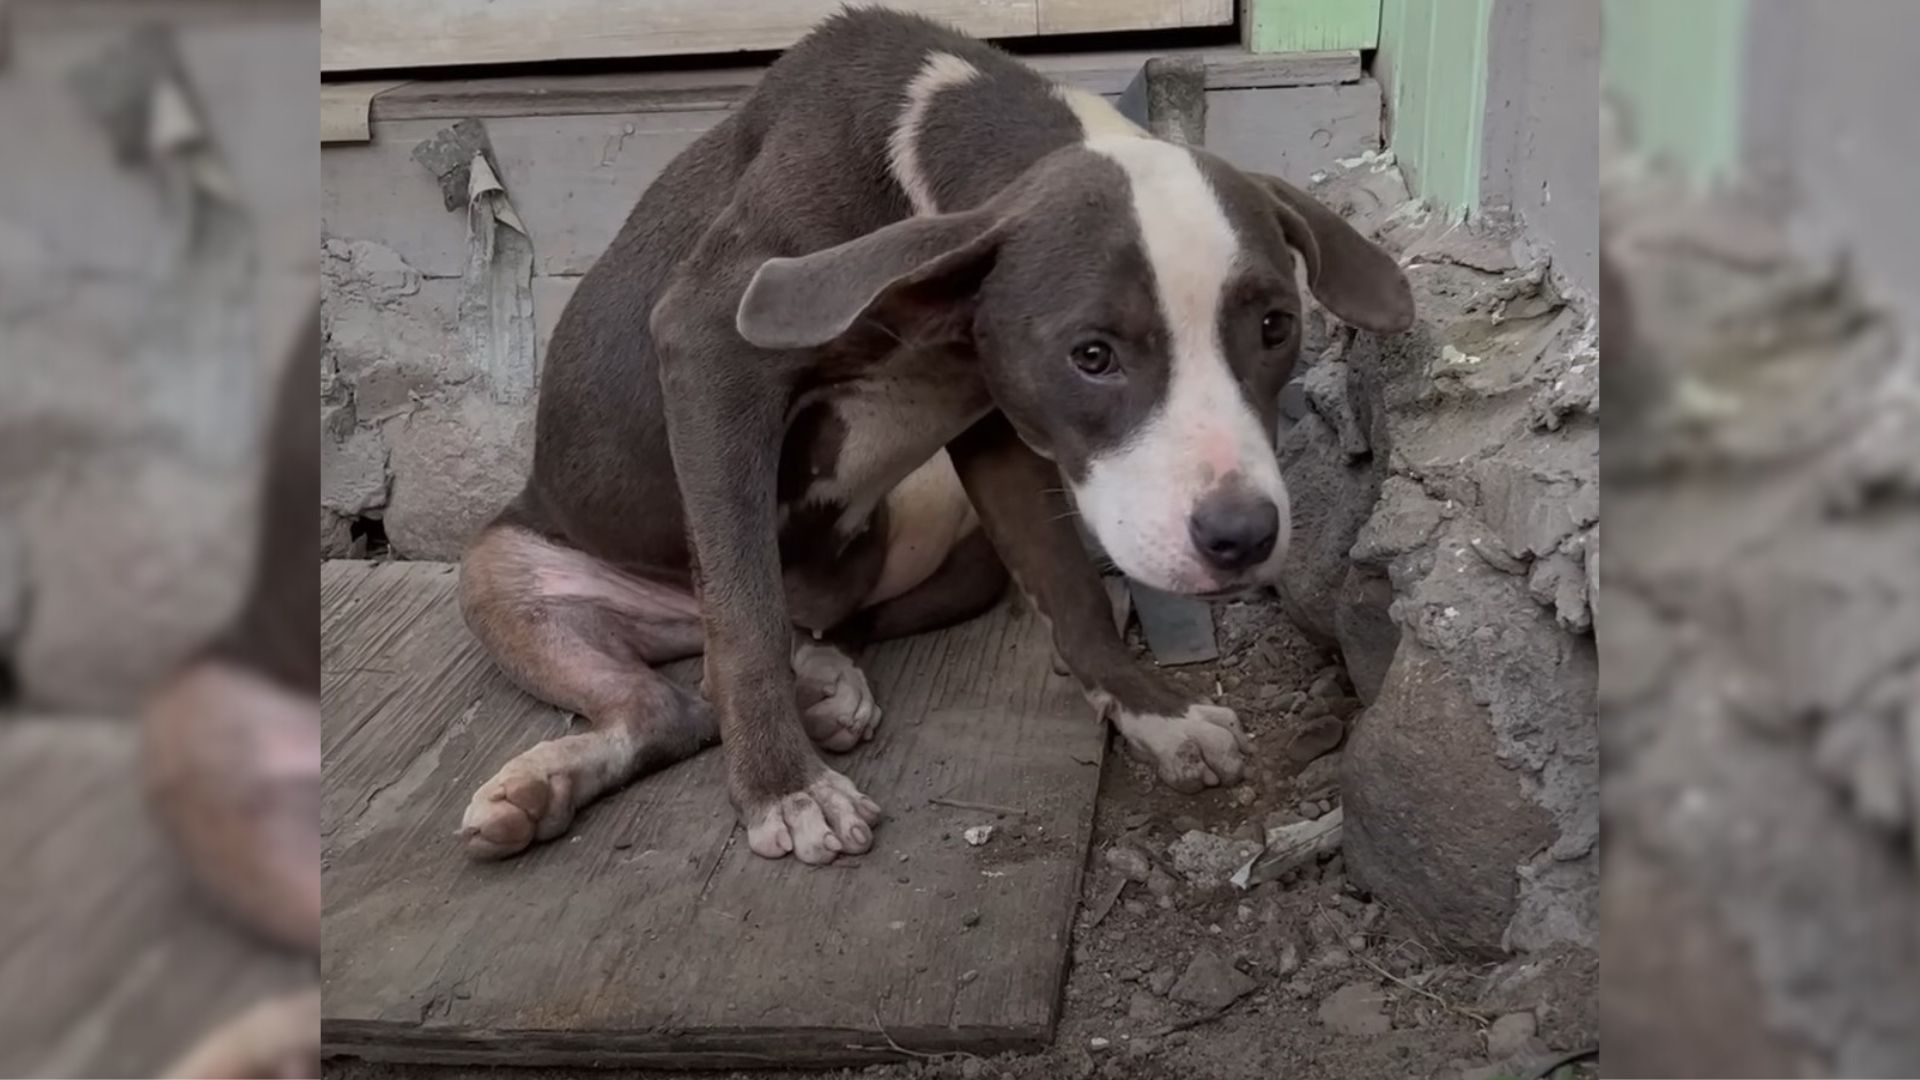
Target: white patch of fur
x,y
1138,497
842,714
1202,747
1096,114
826,819
941,71
927,514
576,769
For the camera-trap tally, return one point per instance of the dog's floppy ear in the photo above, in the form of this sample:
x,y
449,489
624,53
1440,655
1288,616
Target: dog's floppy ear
x,y
810,300
1351,276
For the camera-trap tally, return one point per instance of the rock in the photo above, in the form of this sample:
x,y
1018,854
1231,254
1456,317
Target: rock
x,y
1289,961
13,587
1211,983
1319,735
1326,685
1245,795
1321,774
1332,496
1358,1008
976,835
1249,832
128,566
1332,958
1144,1007
1315,708
1357,943
1343,707
1098,1043
1511,1036
1206,860
1160,884
1130,862
1459,553
1160,980
973,1068
1559,985
1364,627
1311,810
454,465
1444,853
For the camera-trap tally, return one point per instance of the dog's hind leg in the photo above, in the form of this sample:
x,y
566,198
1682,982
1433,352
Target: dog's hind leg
x,y
582,635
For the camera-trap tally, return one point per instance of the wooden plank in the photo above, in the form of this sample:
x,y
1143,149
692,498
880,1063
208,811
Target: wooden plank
x,y
1438,64
345,109
650,936
1276,26
362,35
1093,16
1105,72
111,963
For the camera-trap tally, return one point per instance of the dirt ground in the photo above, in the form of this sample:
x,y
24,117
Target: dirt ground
x,y
1303,978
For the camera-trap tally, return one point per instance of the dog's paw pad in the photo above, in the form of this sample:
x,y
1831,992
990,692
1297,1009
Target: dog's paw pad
x,y
518,806
837,704
1201,748
826,819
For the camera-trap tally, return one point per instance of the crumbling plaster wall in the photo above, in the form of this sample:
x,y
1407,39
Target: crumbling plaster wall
x,y
137,354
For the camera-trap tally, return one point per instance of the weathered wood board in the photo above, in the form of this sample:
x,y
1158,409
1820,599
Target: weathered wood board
x,y
111,962
360,35
650,935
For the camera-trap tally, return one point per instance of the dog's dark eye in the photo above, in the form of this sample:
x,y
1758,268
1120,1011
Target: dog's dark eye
x,y
1093,357
1275,328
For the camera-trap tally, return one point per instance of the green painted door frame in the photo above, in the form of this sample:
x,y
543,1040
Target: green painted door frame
x,y
1272,26
1433,58
1676,70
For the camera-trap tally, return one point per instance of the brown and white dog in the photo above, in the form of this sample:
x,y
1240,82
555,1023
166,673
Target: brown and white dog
x,y
893,323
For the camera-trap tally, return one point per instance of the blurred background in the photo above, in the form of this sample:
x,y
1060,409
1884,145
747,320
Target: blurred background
x,y
1760,638
159,191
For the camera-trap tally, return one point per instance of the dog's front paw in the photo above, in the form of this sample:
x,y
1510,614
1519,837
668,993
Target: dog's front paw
x,y
1201,748
827,818
836,702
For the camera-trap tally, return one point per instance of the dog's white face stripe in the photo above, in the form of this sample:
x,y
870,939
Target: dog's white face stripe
x,y
941,71
1138,497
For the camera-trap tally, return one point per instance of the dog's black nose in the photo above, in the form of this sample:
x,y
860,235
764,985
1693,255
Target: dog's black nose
x,y
1234,529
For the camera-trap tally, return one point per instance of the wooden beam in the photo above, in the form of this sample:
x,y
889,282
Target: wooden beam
x,y
366,35
1228,68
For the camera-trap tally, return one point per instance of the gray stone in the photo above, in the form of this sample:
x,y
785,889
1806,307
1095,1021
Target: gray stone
x,y
1161,884
1358,1008
353,473
1160,980
1210,982
1130,862
113,607
455,465
1510,1036
1331,496
13,586
1207,860
1317,736
1443,858
1365,630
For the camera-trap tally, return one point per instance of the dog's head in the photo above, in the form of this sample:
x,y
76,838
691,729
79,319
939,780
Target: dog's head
x,y
1134,307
